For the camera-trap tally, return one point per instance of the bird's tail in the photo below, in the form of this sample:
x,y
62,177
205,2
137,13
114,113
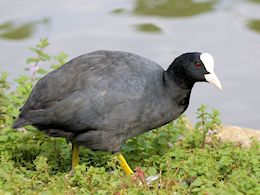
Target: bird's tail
x,y
20,122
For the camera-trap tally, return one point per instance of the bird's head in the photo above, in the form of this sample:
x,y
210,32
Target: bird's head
x,y
194,67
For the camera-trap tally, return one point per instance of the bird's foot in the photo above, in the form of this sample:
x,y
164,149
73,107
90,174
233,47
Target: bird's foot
x,y
139,177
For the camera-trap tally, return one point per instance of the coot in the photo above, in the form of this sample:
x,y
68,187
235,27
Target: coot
x,y
101,99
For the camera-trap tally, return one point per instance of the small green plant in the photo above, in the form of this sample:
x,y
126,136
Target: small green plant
x,y
207,122
4,86
42,56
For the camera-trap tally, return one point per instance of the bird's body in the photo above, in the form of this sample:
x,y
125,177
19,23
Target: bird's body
x,y
103,98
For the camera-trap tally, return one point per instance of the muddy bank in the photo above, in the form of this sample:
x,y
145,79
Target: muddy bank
x,y
238,134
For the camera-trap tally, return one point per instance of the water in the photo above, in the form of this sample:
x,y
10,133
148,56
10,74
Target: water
x,y
82,26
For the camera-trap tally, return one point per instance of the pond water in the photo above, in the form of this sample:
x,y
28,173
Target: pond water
x,y
159,30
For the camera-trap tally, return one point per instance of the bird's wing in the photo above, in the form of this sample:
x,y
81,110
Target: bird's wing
x,y
72,76
88,88
87,108
86,71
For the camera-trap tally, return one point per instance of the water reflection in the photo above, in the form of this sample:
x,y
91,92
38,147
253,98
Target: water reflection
x,y
118,10
173,8
256,1
254,25
148,27
13,31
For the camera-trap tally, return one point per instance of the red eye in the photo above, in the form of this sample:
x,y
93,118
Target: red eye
x,y
198,65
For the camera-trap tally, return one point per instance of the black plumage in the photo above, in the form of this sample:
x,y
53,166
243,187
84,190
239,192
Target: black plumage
x,y
105,97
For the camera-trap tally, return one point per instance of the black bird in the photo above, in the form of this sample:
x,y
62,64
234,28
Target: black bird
x,y
101,99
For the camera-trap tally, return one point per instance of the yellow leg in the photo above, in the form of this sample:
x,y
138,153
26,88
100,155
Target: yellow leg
x,y
74,155
124,165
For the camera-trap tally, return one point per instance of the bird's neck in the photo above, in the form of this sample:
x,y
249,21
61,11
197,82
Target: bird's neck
x,y
178,90
176,77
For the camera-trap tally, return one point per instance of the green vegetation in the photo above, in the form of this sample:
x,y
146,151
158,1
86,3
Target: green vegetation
x,y
186,162
148,27
173,8
254,25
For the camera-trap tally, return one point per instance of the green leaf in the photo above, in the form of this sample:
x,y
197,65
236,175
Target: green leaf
x,y
42,71
32,60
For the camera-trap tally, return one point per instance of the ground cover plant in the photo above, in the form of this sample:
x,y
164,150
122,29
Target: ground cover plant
x,y
188,160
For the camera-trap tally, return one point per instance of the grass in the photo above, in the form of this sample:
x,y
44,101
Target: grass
x,y
33,163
